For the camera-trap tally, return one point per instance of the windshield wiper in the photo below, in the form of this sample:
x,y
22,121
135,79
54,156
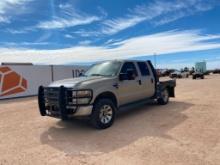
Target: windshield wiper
x,y
97,75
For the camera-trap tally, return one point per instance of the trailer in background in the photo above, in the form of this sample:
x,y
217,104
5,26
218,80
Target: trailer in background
x,y
200,67
200,70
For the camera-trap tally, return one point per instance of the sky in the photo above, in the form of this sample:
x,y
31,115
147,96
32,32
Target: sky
x,y
171,33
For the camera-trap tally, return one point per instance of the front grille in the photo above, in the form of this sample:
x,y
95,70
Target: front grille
x,y
51,95
53,102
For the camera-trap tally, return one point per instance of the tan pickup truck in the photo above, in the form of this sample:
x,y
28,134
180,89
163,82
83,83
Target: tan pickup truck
x,y
104,89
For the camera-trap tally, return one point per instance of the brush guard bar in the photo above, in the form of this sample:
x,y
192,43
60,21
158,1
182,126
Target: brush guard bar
x,y
60,101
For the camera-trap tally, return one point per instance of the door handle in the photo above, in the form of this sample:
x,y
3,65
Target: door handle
x,y
139,81
152,81
116,85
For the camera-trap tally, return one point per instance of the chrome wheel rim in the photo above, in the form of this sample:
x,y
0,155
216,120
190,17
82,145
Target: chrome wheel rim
x,y
106,113
165,95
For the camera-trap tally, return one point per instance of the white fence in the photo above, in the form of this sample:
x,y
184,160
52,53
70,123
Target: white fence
x,y
24,80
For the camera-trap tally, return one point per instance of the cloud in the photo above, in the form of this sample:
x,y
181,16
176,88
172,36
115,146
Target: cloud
x,y
9,45
44,37
23,30
69,36
102,11
7,9
15,31
75,20
115,25
85,42
26,45
161,43
4,19
68,17
86,33
157,13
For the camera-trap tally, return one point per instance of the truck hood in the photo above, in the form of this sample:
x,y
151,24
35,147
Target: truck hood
x,y
76,82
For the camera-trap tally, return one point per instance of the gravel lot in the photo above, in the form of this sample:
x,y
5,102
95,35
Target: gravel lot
x,y
186,131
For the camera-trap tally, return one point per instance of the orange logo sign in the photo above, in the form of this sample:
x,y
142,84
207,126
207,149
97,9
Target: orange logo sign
x,y
11,82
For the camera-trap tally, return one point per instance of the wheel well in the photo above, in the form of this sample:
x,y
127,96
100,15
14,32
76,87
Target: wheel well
x,y
107,95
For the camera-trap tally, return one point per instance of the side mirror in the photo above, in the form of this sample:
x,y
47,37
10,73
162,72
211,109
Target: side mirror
x,y
123,76
81,74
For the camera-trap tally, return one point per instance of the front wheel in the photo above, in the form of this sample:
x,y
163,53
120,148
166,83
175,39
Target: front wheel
x,y
103,114
164,98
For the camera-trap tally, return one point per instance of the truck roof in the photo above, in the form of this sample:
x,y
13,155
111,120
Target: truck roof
x,y
126,60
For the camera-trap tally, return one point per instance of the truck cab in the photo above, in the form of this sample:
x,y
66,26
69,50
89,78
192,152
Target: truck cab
x,y
103,90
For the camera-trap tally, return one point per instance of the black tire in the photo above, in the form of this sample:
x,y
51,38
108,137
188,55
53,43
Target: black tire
x,y
100,119
194,77
202,77
64,118
164,99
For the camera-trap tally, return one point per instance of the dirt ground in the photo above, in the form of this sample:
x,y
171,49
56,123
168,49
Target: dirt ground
x,y
186,131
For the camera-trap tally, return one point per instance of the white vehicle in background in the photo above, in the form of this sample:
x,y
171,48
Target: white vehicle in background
x,y
178,74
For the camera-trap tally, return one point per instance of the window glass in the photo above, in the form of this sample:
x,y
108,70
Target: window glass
x,y
129,66
104,69
143,68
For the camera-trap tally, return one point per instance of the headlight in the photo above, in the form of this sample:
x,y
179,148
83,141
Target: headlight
x,y
83,93
81,97
86,93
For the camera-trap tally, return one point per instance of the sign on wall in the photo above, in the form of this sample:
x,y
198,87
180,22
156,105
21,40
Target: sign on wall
x,y
11,82
62,72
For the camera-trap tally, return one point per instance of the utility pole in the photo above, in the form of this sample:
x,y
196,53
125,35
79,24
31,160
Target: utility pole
x,y
155,60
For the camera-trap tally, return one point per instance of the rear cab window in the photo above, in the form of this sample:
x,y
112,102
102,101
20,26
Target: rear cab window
x,y
129,66
143,68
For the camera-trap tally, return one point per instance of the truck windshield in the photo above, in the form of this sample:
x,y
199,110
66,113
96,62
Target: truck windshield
x,y
109,68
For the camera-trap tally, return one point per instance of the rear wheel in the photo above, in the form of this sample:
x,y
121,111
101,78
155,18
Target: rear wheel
x,y
164,99
103,114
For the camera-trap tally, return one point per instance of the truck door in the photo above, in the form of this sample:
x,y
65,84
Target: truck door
x,y
147,80
129,90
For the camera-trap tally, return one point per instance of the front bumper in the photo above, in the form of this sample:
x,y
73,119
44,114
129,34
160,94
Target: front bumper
x,y
54,102
83,111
